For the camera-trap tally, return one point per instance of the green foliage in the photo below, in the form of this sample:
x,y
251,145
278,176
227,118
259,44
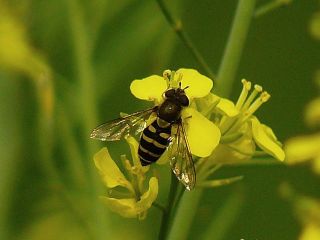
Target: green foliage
x,y
66,66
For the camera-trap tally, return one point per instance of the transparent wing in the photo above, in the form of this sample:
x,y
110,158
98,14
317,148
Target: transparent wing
x,y
181,158
116,129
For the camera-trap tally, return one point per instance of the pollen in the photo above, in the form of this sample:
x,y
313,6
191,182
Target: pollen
x,y
257,89
166,75
247,104
244,93
264,97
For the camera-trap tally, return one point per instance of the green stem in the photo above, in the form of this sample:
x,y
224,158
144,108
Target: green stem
x,y
45,132
74,211
82,49
75,166
185,214
232,54
267,161
189,202
225,217
166,218
180,190
178,28
270,6
159,206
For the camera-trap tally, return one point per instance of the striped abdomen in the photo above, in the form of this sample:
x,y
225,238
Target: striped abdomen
x,y
154,141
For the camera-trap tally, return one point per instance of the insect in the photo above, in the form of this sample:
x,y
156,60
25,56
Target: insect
x,y
158,136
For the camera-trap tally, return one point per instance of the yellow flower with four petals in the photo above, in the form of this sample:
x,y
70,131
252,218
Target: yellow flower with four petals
x,y
217,130
203,135
127,195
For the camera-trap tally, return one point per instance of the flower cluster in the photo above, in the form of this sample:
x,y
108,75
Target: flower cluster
x,y
306,148
16,53
218,131
127,195
202,134
306,211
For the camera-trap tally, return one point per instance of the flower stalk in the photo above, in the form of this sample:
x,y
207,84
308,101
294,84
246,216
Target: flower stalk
x,y
270,6
86,77
232,54
230,61
179,30
167,213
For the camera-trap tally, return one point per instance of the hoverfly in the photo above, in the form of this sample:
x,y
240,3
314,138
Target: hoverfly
x,y
158,136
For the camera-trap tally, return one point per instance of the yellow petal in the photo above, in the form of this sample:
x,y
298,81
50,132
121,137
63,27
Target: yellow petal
x,y
163,159
129,207
265,142
237,150
203,136
313,113
206,104
310,232
109,171
149,88
316,165
16,53
314,26
226,154
212,102
303,148
125,207
134,145
227,107
199,85
244,146
149,196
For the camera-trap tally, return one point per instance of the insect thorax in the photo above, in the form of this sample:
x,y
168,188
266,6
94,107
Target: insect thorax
x,y
170,111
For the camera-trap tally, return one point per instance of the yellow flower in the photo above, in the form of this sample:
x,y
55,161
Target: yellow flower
x,y
314,26
310,232
306,210
16,53
304,148
127,197
312,115
241,131
307,148
202,134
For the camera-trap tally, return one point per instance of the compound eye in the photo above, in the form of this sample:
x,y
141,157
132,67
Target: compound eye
x,y
169,93
183,99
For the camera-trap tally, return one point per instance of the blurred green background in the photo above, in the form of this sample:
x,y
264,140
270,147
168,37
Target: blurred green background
x,y
79,59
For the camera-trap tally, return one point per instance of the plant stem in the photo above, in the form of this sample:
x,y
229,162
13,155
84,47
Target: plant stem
x,y
180,190
79,218
45,94
159,206
226,216
178,28
189,202
267,161
83,66
232,54
166,218
75,166
270,6
185,214
82,50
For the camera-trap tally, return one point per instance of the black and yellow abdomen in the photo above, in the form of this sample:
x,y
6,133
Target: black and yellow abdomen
x,y
154,141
